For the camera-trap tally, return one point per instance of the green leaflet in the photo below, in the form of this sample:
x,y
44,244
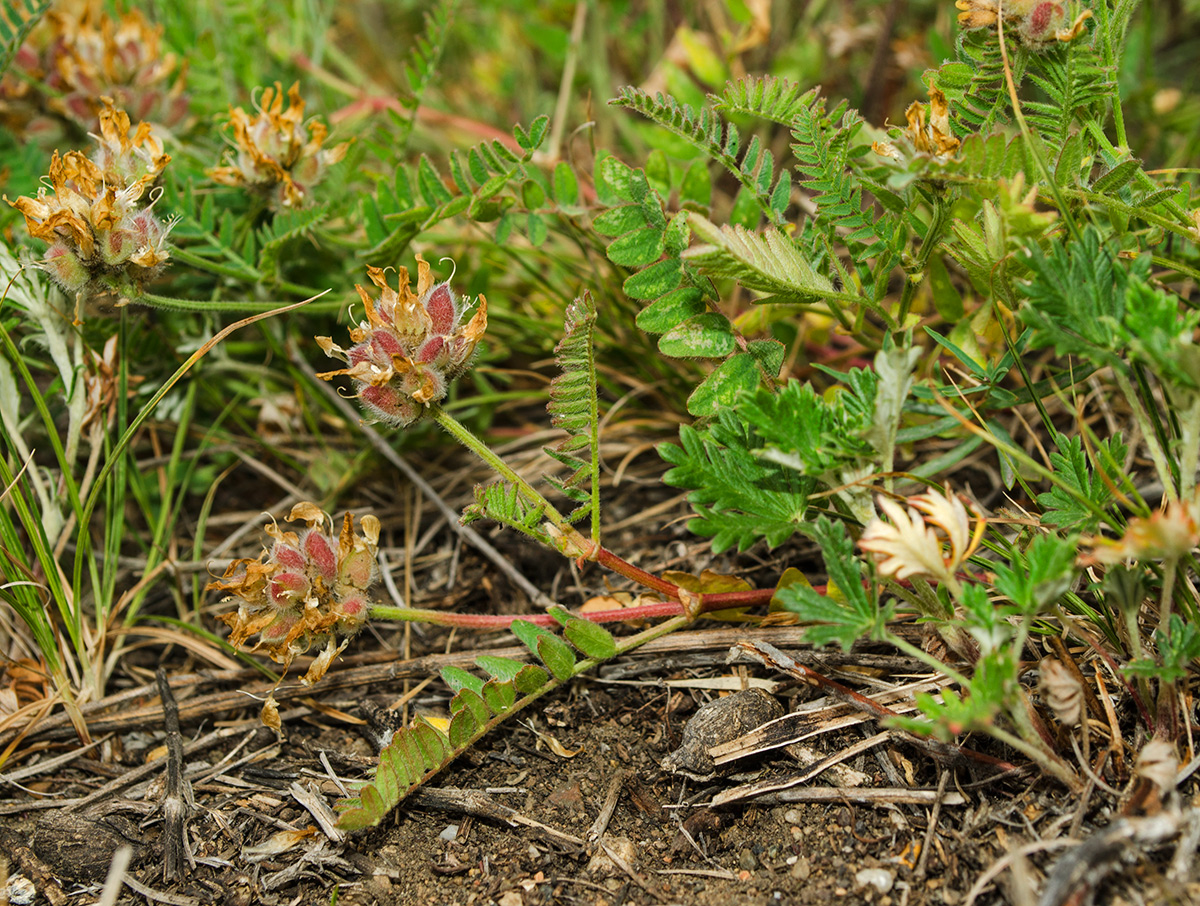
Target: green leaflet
x,y
418,752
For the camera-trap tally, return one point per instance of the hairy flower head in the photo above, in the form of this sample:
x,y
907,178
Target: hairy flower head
x,y
276,153
1038,23
308,590
101,234
928,131
410,346
79,54
931,538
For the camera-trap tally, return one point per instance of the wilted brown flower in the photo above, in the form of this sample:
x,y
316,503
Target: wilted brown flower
x,y
1038,23
276,153
1171,532
79,54
409,347
927,133
1062,692
101,236
309,590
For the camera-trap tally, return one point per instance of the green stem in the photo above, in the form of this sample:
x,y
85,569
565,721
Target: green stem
x,y
933,235
468,439
1110,62
1045,760
1157,455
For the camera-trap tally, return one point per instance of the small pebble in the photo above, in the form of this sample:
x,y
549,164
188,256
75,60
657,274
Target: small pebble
x,y
449,833
879,878
746,860
793,816
801,870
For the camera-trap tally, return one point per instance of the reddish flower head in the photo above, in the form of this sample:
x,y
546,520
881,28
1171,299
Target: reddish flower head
x,y
309,590
409,347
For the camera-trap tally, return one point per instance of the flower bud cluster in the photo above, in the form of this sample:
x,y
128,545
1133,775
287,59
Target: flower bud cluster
x,y
101,235
409,347
309,590
276,153
1038,23
79,54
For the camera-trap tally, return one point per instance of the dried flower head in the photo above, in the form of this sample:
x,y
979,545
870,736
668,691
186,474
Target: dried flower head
x,y
927,133
308,590
80,54
1038,23
101,235
276,153
410,346
932,538
1062,691
1169,533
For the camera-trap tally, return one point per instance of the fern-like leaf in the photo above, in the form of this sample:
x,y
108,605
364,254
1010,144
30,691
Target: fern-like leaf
x,y
768,263
419,198
765,97
419,752
503,503
1077,84
574,408
705,129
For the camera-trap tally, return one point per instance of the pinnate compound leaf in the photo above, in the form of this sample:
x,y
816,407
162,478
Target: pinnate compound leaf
x,y
769,263
738,497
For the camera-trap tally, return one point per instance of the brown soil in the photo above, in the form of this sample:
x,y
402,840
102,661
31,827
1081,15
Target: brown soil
x,y
601,739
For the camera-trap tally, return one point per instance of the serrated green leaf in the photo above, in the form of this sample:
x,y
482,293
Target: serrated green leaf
x,y
856,615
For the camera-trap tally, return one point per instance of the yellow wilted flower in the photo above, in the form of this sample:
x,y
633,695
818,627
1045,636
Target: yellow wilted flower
x,y
79,54
100,233
276,153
